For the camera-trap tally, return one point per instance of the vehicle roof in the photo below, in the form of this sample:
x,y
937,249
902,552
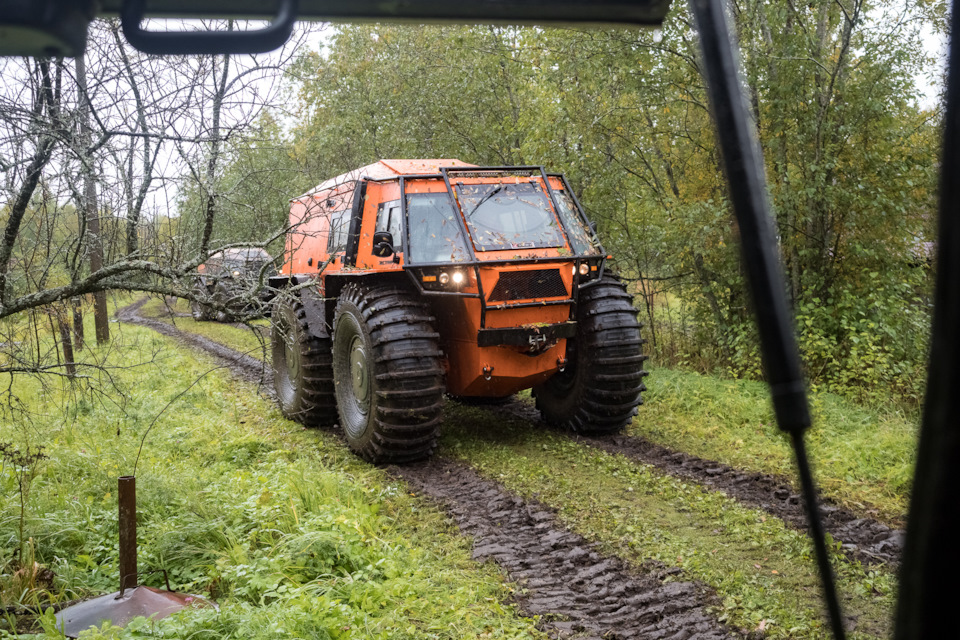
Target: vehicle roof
x,y
242,253
384,169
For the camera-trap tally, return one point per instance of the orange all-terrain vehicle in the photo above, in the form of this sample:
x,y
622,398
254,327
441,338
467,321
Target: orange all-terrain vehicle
x,y
408,279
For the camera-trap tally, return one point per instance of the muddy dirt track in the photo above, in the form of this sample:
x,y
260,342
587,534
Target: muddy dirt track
x,y
243,366
579,592
864,539
560,571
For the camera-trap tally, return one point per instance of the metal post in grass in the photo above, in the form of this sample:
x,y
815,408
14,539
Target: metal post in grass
x,y
127,499
132,600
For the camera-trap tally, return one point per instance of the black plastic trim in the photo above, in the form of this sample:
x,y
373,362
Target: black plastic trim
x,y
534,12
520,336
269,38
356,220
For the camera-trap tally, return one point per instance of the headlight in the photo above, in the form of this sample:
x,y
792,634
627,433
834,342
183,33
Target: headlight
x,y
584,268
448,279
236,273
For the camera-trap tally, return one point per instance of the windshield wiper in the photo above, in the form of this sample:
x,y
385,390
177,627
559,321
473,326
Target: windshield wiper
x,y
484,199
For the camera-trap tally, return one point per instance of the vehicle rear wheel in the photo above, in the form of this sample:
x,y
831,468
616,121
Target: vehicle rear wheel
x,y
387,373
199,311
599,390
302,366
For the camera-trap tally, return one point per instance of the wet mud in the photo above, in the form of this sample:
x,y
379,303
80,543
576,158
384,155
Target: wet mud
x,y
580,592
865,539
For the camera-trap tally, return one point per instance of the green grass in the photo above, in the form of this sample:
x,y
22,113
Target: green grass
x,y
762,570
291,534
862,458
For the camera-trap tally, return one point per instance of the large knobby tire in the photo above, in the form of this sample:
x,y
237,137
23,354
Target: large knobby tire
x,y
598,392
199,311
302,366
222,299
387,373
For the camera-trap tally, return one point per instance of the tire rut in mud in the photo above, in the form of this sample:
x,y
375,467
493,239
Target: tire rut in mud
x,y
243,366
563,574
865,539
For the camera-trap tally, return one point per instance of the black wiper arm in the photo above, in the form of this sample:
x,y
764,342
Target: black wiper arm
x,y
484,199
743,164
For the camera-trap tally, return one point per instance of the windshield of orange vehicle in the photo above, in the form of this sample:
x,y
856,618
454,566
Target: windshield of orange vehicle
x,y
509,216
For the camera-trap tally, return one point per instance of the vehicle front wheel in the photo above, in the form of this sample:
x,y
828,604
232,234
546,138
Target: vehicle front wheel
x,y
198,310
599,390
221,298
302,373
387,373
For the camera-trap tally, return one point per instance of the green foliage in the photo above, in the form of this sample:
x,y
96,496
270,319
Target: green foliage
x,y
869,342
864,457
401,92
254,186
849,157
292,535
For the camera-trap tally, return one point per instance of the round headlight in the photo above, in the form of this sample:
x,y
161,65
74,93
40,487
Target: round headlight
x,y
573,270
444,278
457,277
584,268
236,273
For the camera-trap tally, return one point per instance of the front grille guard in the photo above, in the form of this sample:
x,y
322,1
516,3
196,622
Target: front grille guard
x,y
528,285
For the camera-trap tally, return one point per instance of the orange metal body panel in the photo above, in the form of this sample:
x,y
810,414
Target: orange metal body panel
x,y
377,192
306,246
510,370
435,185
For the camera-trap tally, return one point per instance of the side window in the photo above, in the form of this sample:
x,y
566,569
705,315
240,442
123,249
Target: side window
x,y
337,241
389,219
435,235
581,238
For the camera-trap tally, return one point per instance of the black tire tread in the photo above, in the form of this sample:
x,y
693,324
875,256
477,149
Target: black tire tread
x,y
407,369
318,405
606,392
